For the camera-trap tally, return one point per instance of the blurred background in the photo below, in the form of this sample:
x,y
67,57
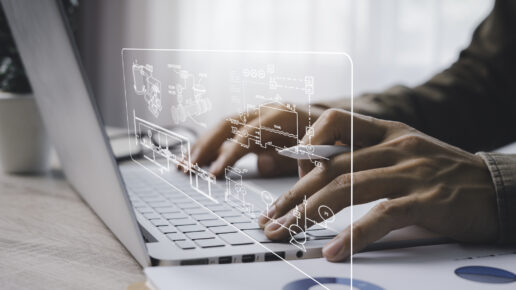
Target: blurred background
x,y
390,41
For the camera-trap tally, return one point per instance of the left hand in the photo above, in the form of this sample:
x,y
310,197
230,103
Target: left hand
x,y
426,182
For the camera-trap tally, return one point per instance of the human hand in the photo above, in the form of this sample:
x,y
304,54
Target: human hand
x,y
211,148
426,182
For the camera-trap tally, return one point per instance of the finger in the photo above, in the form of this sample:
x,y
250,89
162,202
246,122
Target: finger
x,y
248,139
240,145
205,149
335,125
303,167
368,185
379,221
271,164
365,159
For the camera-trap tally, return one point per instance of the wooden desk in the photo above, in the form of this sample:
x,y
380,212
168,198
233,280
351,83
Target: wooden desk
x,y
50,239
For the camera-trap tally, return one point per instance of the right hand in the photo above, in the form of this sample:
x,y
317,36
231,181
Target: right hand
x,y
211,148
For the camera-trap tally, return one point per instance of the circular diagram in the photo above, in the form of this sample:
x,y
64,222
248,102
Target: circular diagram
x,y
485,274
305,284
326,214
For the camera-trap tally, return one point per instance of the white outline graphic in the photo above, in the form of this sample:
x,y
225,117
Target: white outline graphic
x,y
147,86
190,94
157,151
236,191
268,82
351,94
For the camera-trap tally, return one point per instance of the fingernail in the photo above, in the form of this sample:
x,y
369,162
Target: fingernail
x,y
333,248
277,224
215,167
193,156
266,215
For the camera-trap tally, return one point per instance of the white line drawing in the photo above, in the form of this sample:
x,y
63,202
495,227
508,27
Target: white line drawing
x,y
326,214
235,189
297,231
147,86
157,141
267,199
265,84
190,94
127,51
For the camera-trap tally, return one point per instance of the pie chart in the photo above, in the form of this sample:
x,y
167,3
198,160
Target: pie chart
x,y
305,284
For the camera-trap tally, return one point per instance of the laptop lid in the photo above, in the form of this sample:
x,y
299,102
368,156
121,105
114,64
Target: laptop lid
x,y
70,115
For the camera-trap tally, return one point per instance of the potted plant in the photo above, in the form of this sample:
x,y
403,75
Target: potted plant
x,y
24,146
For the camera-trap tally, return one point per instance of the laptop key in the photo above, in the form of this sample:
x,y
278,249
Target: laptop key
x,y
185,245
153,198
188,205
176,236
167,229
200,235
204,216
228,213
143,210
175,215
209,243
159,222
183,222
223,229
236,239
151,215
161,204
237,219
191,228
196,210
167,209
247,226
218,207
258,235
214,223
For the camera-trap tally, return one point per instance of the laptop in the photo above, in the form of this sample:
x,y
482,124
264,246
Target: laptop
x,y
162,219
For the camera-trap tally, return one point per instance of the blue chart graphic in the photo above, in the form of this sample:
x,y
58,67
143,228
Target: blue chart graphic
x,y
305,284
485,274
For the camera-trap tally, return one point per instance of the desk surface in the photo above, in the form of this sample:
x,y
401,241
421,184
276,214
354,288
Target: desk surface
x,y
49,238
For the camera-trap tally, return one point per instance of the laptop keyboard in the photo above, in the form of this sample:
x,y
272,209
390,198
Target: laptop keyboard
x,y
195,221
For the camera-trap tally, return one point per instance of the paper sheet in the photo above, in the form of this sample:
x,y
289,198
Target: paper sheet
x,y
428,267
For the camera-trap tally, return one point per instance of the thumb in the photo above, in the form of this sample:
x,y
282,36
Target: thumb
x,y
271,164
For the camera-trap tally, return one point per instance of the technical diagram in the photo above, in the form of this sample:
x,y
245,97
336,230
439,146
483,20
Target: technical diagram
x,y
186,90
326,214
265,85
190,94
166,150
147,86
267,199
297,231
235,189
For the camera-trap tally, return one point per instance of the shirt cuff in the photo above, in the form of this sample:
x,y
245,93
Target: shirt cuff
x,y
503,173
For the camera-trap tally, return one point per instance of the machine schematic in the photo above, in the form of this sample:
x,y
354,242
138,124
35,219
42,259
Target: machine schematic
x,y
251,85
147,86
190,94
236,190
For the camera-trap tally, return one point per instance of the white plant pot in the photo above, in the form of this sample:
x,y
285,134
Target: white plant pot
x,y
24,145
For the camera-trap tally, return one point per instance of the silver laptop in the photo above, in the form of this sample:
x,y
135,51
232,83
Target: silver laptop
x,y
160,218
